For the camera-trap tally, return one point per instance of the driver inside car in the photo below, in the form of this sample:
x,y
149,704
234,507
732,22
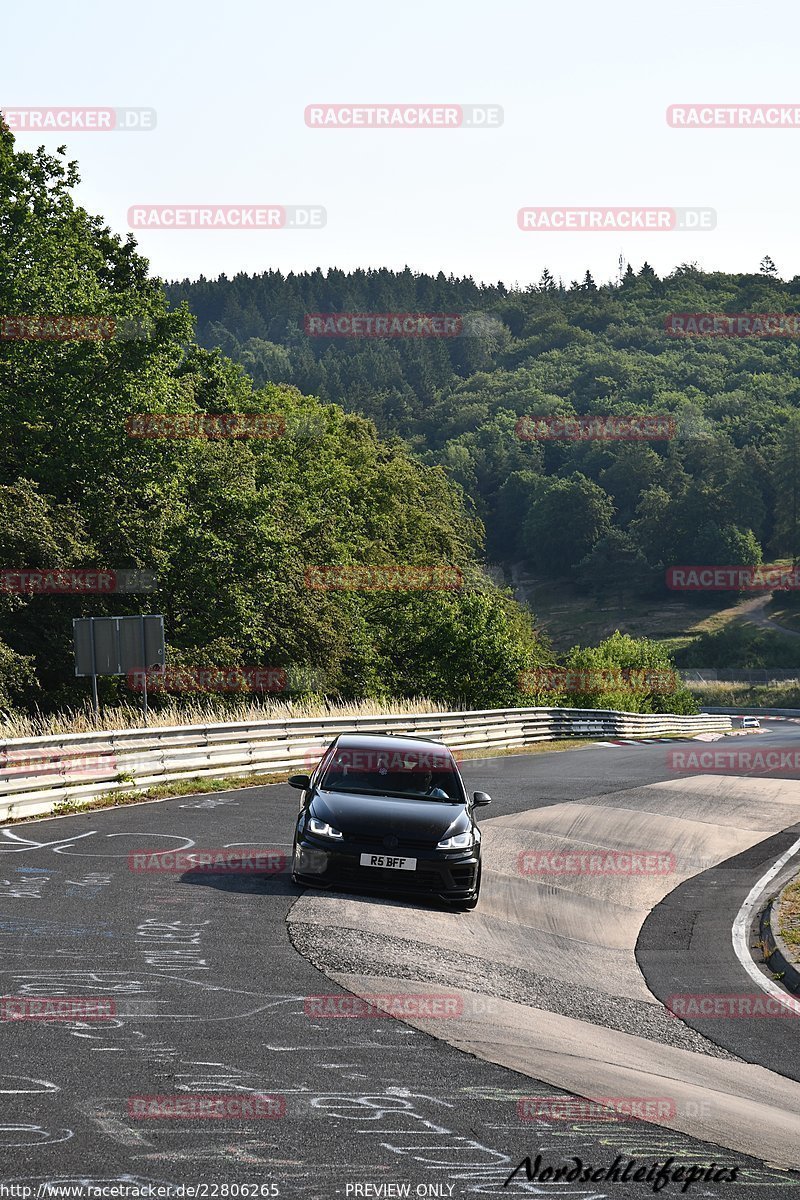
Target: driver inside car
x,y
422,782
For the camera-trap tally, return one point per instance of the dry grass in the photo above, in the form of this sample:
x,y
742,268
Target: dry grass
x,y
199,712
789,917
570,617
789,618
747,695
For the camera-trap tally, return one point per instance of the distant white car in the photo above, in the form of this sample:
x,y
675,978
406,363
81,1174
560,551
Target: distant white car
x,y
751,723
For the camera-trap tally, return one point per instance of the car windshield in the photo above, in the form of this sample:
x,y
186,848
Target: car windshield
x,y
418,774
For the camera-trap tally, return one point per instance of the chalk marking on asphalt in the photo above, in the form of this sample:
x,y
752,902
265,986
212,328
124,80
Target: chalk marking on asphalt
x,y
253,844
32,844
741,930
43,1085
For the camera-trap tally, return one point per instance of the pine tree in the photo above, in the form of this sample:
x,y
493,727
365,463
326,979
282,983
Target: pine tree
x,y
547,283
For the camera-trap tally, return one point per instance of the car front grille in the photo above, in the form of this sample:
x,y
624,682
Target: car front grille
x,y
463,876
429,881
456,877
379,841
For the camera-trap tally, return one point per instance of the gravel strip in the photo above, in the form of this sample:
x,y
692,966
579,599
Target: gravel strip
x,y
354,952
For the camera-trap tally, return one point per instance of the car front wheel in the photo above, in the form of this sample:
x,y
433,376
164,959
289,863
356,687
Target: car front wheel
x,y
293,869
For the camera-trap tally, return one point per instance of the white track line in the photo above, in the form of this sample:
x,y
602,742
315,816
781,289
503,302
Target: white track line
x,y
741,930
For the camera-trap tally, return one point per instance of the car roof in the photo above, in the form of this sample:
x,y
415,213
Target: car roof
x,y
384,741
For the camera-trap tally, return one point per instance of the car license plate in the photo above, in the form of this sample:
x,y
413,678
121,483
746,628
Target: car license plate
x,y
389,860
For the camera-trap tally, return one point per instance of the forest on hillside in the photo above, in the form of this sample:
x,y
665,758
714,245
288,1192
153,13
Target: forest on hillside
x,y
723,488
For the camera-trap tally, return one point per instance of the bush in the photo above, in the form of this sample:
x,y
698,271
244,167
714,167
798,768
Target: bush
x,y
631,674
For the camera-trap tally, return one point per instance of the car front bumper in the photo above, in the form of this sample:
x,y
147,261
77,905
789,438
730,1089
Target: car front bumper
x,y
451,875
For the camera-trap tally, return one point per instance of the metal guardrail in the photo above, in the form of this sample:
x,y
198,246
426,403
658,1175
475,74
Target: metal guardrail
x,y
37,774
745,711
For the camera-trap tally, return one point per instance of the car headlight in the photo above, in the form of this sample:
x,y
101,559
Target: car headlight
x,y
322,828
459,841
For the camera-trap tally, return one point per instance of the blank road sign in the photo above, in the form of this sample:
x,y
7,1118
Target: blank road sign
x,y
117,645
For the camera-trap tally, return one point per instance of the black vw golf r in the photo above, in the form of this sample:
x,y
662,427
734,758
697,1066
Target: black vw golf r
x,y
390,814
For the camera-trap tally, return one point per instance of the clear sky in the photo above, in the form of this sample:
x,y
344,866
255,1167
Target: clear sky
x,y
584,87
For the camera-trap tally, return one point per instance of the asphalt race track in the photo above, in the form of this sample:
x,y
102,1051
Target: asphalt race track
x,y
560,982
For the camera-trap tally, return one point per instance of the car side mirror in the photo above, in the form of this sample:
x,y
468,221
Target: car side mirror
x,y
299,781
481,798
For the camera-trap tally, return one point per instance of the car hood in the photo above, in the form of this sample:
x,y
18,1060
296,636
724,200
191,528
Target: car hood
x,y
378,816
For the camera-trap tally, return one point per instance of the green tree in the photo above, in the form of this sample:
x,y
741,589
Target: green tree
x,y
569,518
725,545
19,687
628,674
471,649
547,283
615,566
38,533
786,479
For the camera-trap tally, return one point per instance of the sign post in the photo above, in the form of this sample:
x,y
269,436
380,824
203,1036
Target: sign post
x,y
146,664
117,646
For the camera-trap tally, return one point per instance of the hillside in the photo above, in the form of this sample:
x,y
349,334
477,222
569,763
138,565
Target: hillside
x,y
716,491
